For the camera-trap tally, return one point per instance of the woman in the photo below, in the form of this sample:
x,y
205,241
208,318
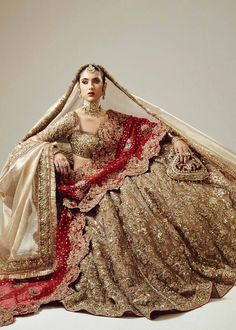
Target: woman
x,y
113,213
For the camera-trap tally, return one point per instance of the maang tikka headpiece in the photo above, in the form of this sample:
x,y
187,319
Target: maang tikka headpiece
x,y
90,68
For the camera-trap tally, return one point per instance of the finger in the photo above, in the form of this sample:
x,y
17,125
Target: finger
x,y
67,170
68,167
70,170
63,168
56,166
181,157
60,167
188,156
176,150
178,153
184,156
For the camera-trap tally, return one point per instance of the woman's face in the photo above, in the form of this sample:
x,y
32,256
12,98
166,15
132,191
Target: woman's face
x,y
91,82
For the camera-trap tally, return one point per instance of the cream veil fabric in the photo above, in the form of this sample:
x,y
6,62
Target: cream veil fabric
x,y
20,221
20,216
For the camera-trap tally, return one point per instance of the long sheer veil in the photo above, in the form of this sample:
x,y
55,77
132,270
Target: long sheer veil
x,y
120,99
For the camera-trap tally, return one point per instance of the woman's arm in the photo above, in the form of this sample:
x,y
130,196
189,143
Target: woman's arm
x,y
180,146
58,130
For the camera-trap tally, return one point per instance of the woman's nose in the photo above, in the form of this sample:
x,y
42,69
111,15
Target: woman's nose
x,y
90,84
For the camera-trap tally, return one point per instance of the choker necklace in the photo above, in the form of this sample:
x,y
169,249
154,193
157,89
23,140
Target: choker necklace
x,y
91,108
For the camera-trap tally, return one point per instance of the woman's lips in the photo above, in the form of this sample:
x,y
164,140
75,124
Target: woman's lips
x,y
91,93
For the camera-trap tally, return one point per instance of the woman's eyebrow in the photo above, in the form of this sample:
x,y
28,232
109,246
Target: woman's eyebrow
x,y
91,79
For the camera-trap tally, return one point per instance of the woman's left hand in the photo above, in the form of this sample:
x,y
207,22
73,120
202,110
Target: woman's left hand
x,y
180,146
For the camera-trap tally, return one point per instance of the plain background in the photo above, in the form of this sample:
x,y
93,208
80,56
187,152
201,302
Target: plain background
x,y
179,55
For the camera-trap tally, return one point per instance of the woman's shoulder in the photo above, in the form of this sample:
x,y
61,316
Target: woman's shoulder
x,y
71,115
118,115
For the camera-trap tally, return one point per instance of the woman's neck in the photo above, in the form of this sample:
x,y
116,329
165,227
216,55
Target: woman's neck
x,y
91,108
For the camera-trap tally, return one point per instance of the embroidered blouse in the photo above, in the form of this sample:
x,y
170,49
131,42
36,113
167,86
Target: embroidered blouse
x,y
82,143
123,145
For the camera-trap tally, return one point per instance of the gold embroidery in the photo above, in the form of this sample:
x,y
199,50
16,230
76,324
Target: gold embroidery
x,y
61,129
157,244
115,180
154,244
44,196
194,169
84,144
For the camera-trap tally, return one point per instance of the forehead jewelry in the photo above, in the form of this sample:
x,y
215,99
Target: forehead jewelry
x,y
90,68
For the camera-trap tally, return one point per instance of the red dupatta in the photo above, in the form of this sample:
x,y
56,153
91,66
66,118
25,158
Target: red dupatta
x,y
138,143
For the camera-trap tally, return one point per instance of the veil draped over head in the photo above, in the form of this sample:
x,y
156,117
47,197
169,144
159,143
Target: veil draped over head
x,y
120,99
25,233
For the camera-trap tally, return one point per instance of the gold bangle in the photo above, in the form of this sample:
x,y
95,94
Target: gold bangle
x,y
56,150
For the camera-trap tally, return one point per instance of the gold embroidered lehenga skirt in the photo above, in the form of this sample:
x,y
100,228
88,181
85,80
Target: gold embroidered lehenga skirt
x,y
157,244
154,244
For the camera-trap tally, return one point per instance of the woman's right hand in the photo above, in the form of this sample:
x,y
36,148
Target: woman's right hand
x,y
62,164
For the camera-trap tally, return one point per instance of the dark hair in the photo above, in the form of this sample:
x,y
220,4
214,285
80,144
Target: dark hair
x,y
97,67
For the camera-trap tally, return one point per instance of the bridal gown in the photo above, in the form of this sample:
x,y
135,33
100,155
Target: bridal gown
x,y
137,241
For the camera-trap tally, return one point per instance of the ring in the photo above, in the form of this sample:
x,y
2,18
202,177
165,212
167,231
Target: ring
x,y
185,153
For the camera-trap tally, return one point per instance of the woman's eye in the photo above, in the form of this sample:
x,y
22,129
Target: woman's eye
x,y
97,81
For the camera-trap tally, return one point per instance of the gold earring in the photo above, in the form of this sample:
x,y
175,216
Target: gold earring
x,y
103,96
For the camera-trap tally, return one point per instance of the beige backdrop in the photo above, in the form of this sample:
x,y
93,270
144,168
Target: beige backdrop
x,y
179,54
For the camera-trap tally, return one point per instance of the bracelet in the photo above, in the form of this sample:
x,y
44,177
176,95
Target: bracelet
x,y
56,150
67,153
170,135
174,138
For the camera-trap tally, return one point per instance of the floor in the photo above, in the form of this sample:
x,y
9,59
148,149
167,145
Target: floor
x,y
218,314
